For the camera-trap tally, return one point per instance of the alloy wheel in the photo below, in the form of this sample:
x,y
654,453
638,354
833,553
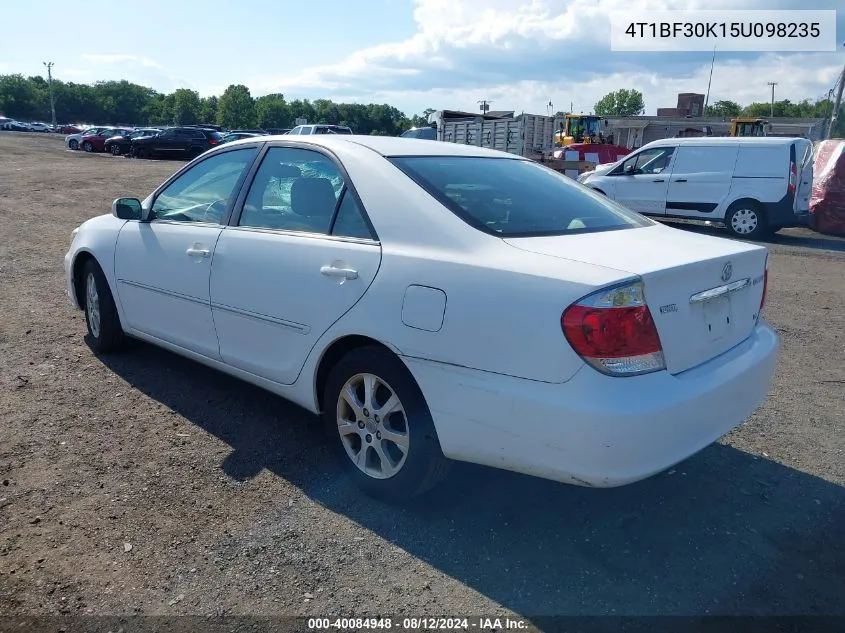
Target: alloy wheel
x,y
92,305
373,426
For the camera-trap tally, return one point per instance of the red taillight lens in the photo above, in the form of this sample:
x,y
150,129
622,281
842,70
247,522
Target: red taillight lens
x,y
793,178
613,331
213,141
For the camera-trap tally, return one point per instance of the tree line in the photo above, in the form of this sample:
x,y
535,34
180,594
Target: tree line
x,y
126,103
626,102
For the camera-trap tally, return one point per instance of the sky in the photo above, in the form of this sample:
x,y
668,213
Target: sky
x,y
413,54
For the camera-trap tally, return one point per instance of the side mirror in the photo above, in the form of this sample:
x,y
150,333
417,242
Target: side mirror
x,y
127,209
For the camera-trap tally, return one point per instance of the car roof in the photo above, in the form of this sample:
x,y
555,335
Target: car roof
x,y
387,146
724,140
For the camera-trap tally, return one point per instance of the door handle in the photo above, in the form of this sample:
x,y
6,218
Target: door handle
x,y
657,180
681,180
342,273
198,252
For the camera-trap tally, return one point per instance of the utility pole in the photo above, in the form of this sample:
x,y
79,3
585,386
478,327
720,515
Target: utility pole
x,y
834,116
709,81
485,106
49,66
773,84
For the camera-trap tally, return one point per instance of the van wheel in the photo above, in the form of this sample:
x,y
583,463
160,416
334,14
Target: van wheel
x,y
746,219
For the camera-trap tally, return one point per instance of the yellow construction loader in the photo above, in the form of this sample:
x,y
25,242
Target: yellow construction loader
x,y
748,127
580,128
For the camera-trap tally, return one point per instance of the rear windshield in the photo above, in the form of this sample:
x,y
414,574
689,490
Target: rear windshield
x,y
515,198
215,135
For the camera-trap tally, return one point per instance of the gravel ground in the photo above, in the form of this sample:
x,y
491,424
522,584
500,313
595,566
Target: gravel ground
x,y
144,483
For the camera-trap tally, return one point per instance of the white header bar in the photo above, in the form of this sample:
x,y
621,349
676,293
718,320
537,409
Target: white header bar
x,y
786,31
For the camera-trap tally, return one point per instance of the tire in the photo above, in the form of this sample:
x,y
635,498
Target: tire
x,y
73,144
87,146
391,471
746,219
100,311
115,150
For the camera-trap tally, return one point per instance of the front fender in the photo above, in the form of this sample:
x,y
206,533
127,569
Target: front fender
x,y
95,238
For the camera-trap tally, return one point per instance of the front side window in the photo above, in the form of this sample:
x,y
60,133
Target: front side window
x,y
515,198
293,190
650,161
203,193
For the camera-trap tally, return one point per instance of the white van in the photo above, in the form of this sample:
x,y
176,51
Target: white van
x,y
751,185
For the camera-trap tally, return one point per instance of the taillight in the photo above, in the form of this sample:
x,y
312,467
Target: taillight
x,y
613,331
213,141
793,178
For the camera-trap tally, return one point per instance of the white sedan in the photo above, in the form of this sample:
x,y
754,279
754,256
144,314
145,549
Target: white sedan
x,y
437,302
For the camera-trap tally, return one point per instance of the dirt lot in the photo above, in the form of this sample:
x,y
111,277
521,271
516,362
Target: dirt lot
x,y
144,483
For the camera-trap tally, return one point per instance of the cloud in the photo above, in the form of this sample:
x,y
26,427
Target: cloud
x,y
123,60
523,53
135,68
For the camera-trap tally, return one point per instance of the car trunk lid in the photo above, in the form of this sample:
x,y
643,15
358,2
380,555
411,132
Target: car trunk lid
x,y
704,293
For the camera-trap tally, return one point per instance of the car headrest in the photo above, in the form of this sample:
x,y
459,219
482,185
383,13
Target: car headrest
x,y
312,197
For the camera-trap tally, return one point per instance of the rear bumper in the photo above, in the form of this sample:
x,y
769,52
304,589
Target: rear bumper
x,y
782,214
596,430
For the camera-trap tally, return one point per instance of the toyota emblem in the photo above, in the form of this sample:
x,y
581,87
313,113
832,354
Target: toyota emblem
x,y
727,271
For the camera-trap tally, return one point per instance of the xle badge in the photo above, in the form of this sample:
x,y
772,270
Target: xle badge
x,y
672,307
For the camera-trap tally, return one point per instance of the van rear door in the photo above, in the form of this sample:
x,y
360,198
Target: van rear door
x,y
802,150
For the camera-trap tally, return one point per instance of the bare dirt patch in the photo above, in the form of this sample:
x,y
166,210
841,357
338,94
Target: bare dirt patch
x,y
144,483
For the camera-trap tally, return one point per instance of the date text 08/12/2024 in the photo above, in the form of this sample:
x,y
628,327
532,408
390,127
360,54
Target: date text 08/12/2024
x,y
735,30
417,624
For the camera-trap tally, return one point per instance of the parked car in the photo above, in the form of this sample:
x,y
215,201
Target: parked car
x,y
320,129
435,303
428,133
97,142
754,186
176,142
255,131
277,130
236,136
73,141
68,129
39,127
207,126
12,125
121,143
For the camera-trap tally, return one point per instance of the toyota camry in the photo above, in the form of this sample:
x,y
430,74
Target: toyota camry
x,y
437,302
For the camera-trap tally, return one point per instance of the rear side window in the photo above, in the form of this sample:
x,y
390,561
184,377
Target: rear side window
x,y
760,161
515,198
702,158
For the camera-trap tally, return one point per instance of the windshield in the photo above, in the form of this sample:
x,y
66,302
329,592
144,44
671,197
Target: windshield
x,y
515,198
427,133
